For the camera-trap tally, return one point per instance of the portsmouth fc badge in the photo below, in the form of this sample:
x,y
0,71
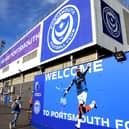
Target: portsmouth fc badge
x,y
63,28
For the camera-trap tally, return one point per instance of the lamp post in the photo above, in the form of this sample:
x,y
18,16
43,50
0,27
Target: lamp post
x,y
2,45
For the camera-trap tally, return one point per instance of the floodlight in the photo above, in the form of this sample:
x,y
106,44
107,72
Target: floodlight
x,y
120,56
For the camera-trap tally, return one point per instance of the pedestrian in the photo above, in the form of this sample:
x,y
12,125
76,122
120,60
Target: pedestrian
x,y
15,110
30,104
82,90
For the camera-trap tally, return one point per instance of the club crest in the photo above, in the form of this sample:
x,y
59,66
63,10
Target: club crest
x,y
63,28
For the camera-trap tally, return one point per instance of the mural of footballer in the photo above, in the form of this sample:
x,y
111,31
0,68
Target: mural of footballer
x,y
81,87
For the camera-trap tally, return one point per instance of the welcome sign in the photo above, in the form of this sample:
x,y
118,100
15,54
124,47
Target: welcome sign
x,y
107,84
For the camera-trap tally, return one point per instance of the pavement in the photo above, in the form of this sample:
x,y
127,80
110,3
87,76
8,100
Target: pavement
x,y
6,116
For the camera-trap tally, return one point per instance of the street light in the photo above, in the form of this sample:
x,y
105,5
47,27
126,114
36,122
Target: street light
x,y
2,45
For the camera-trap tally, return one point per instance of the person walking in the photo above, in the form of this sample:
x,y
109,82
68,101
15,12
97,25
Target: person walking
x,y
15,110
30,104
82,90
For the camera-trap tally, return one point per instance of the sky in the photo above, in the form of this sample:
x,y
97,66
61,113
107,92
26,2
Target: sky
x,y
18,16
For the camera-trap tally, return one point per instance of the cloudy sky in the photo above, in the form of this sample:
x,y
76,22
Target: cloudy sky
x,y
17,16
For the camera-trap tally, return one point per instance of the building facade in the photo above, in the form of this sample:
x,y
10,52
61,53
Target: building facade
x,y
72,34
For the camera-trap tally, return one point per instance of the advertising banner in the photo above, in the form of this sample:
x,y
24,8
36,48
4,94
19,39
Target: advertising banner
x,y
22,47
111,22
107,85
67,29
111,29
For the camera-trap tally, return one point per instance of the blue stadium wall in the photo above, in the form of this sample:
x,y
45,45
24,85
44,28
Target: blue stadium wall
x,y
108,85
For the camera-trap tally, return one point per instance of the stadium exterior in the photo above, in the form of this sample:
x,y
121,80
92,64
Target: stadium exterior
x,y
76,33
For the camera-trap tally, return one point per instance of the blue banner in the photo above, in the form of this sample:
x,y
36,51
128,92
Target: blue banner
x,y
38,91
111,22
67,29
107,83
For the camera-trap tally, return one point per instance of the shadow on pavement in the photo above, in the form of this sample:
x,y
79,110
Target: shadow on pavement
x,y
22,126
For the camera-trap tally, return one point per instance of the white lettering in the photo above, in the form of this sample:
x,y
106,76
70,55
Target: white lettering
x,y
90,120
48,76
72,117
45,112
119,123
94,120
65,72
127,124
97,66
54,75
73,69
97,120
63,115
59,75
105,122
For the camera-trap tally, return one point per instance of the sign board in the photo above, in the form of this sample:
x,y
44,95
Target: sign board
x,y
26,44
111,28
111,22
67,29
107,83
